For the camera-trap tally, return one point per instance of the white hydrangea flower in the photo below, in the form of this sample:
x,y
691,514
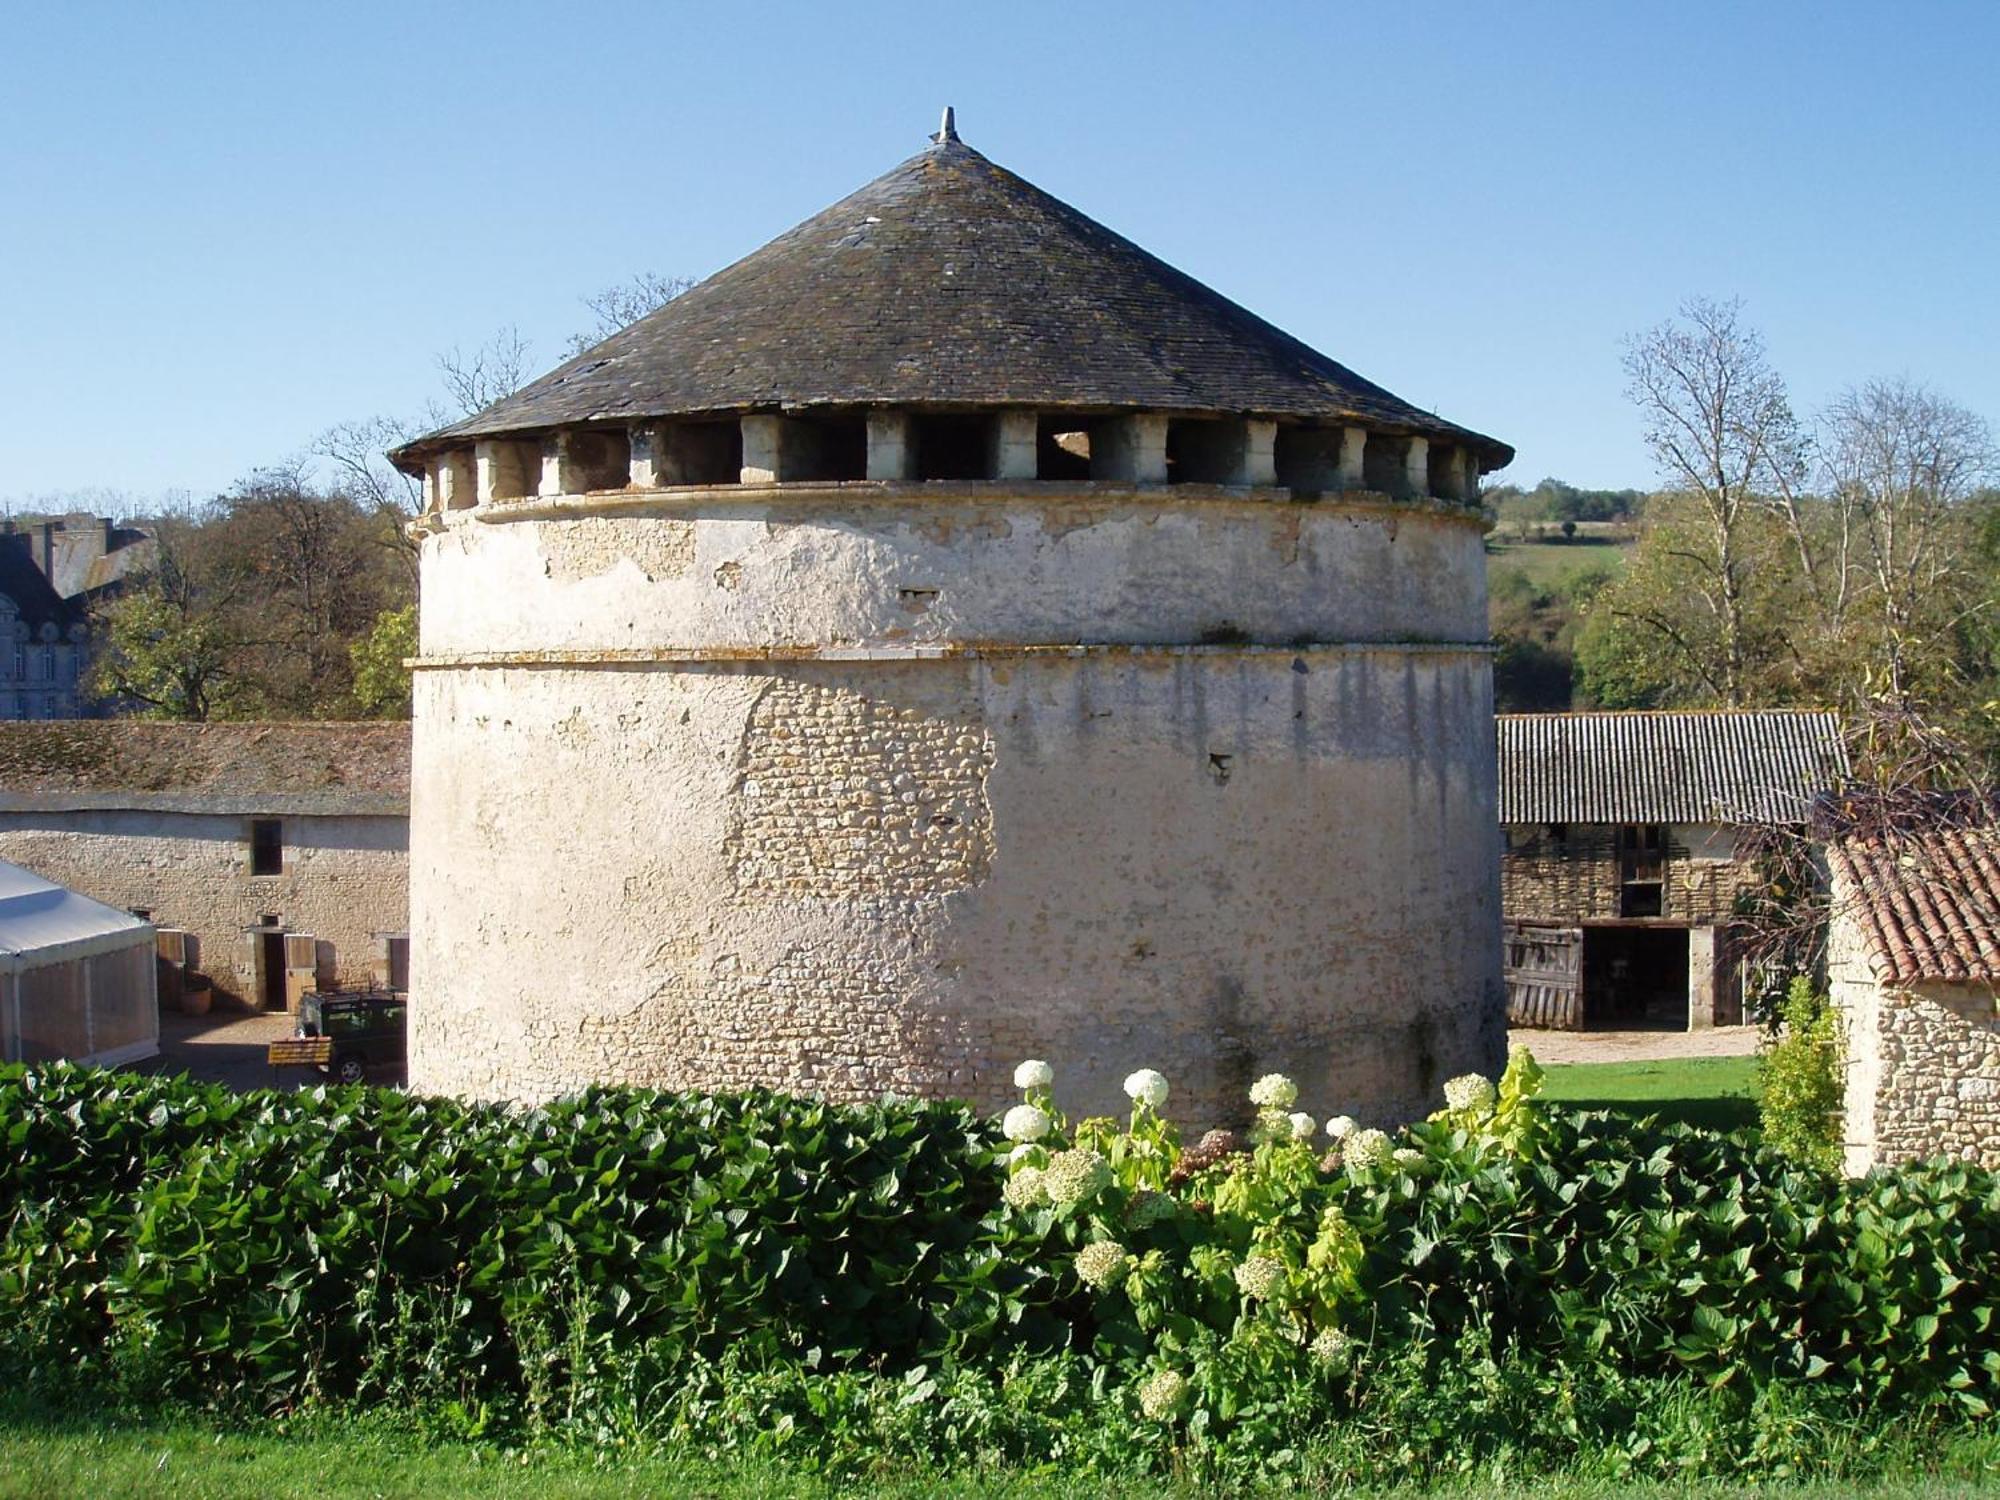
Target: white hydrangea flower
x,y
1366,1148
1146,1087
1469,1091
1076,1176
1274,1091
1340,1127
1034,1074
1260,1275
1024,1190
1407,1157
1332,1348
1102,1264
1303,1126
1024,1122
1162,1395
1148,1207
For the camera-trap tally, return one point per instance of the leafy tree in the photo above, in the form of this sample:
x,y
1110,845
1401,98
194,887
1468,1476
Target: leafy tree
x,y
155,652
381,681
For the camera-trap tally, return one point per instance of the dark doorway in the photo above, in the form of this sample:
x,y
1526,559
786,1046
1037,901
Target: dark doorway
x,y
271,947
1635,978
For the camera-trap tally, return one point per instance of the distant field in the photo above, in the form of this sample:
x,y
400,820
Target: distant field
x,y
1718,1093
1545,562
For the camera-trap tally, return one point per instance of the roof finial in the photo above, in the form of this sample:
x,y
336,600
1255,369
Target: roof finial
x,y
948,131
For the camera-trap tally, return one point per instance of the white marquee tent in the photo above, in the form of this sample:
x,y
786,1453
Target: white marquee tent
x,y
77,977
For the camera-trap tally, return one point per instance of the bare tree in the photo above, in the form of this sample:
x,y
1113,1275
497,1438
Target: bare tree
x,y
356,453
621,306
1721,429
1900,464
493,371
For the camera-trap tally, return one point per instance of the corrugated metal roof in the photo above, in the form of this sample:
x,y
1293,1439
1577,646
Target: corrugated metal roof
x,y
1718,767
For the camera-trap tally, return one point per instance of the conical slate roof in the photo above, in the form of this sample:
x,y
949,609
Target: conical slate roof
x,y
950,282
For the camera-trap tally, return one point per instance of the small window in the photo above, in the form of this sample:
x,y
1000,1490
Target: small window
x,y
1642,870
267,846
143,913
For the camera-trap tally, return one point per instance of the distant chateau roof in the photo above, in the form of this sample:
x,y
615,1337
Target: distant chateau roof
x,y
1928,900
136,764
1719,767
951,282
35,599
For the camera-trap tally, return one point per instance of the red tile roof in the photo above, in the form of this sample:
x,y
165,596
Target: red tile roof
x,y
1928,901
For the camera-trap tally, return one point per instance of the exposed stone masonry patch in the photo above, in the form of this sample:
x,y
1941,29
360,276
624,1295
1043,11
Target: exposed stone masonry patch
x,y
592,545
841,795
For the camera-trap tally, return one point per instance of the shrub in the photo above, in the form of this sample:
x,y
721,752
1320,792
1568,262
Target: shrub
x,y
753,1269
1799,1080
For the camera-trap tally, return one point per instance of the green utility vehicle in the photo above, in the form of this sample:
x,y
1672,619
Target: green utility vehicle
x,y
347,1034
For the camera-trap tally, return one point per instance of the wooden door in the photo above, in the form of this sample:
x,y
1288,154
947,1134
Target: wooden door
x,y
1544,970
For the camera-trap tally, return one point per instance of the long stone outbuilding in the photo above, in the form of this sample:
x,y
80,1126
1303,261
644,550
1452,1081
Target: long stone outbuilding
x,y
946,636
274,856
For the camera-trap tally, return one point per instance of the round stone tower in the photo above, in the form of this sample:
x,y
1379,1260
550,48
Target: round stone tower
x,y
946,636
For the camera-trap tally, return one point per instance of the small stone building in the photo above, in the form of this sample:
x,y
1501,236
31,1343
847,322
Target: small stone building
x,y
1913,968
1629,842
274,849
950,635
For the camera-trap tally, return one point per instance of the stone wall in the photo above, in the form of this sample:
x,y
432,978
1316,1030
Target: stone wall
x,y
909,876
345,879
1571,875
886,786
1922,1061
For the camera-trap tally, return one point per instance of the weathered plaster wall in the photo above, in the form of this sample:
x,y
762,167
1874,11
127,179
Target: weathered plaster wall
x,y
345,878
1923,1061
935,563
817,790
909,876
1574,877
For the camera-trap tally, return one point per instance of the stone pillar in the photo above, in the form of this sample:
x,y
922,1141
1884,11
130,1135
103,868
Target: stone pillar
x,y
776,449
1448,471
1353,458
649,446
1417,466
891,454
1130,449
1011,445
507,470
1260,453
1705,980
449,482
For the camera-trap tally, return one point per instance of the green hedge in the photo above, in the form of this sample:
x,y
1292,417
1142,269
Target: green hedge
x,y
273,1249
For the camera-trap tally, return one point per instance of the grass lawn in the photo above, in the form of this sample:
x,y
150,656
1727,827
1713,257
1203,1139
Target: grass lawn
x,y
325,1462
1719,1093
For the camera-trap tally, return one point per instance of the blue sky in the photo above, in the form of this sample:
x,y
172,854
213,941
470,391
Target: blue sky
x,y
224,228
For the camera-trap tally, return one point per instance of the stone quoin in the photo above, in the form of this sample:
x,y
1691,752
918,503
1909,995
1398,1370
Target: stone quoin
x,y
951,635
